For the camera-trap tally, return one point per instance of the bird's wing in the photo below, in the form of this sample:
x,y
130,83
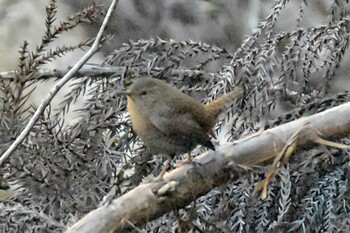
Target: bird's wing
x,y
179,123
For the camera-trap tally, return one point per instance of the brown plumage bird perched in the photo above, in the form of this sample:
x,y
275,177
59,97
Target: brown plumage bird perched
x,y
170,122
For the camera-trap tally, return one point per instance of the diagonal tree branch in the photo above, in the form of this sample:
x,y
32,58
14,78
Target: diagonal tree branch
x,y
94,48
186,183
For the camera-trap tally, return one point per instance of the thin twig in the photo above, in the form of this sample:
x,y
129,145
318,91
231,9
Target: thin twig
x,y
94,48
90,70
132,225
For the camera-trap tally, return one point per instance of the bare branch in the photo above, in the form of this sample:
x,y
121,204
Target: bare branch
x,y
184,184
59,85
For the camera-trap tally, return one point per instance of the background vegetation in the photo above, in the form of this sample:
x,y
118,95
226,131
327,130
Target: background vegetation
x,y
65,168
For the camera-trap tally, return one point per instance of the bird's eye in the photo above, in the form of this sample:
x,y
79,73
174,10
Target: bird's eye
x,y
143,93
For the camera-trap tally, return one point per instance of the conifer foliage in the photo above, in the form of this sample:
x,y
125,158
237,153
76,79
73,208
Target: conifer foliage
x,y
67,170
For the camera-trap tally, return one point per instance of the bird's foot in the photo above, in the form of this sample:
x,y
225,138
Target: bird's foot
x,y
151,178
189,160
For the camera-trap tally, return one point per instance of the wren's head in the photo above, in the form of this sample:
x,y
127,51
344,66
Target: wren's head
x,y
147,91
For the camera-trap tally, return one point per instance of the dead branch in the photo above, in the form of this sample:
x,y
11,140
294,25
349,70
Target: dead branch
x,y
183,185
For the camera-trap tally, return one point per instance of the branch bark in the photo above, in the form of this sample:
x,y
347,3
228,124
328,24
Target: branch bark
x,y
186,183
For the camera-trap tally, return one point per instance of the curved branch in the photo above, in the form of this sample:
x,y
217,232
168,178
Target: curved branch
x,y
186,183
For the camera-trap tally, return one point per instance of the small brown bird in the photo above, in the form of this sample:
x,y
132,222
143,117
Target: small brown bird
x,y
170,122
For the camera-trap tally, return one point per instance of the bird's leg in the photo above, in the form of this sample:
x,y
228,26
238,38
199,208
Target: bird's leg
x,y
287,151
188,160
189,157
165,168
151,178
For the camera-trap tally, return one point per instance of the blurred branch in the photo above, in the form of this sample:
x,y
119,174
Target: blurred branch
x,y
90,70
94,48
95,70
183,185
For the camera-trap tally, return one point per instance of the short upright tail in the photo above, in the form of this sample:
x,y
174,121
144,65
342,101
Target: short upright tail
x,y
218,105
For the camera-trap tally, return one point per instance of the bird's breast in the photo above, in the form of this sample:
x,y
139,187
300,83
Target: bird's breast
x,y
140,121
